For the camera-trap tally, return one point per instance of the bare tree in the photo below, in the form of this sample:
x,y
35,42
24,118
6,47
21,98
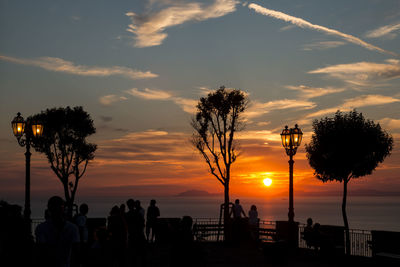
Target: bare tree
x,y
217,119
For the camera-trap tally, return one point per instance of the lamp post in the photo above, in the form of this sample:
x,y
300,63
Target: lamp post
x,y
291,139
25,131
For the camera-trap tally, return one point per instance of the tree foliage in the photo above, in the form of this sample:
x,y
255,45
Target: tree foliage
x,y
64,142
218,118
346,147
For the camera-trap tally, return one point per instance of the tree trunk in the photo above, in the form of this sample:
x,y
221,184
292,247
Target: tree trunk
x,y
68,202
226,212
345,221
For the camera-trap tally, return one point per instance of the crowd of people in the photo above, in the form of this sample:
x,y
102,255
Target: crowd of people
x,y
122,240
314,237
61,241
238,224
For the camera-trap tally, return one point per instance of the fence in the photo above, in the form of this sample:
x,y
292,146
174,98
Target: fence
x,y
214,232
359,239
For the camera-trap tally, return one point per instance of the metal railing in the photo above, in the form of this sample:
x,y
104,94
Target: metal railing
x,y
359,239
359,242
214,232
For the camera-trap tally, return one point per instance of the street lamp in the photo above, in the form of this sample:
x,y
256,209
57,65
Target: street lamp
x,y
291,139
25,131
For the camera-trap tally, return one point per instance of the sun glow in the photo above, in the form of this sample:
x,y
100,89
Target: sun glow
x,y
267,181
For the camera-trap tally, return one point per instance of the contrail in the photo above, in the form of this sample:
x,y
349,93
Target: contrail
x,y
305,24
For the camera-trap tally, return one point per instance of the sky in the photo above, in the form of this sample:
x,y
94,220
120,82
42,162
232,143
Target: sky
x,y
139,68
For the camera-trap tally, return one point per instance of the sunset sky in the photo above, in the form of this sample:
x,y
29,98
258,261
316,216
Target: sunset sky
x,y
140,66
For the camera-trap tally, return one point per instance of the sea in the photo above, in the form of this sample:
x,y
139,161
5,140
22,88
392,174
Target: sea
x,y
366,213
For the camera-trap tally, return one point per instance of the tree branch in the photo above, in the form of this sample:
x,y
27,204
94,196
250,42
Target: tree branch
x,y
212,169
84,168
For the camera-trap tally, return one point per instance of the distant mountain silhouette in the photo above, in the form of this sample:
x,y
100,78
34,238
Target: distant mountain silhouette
x,y
196,193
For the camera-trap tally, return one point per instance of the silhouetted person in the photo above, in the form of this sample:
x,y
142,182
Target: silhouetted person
x,y
130,218
118,236
316,237
153,212
46,214
138,239
57,239
139,209
15,239
81,221
122,209
130,222
99,252
308,233
253,222
183,248
238,225
237,210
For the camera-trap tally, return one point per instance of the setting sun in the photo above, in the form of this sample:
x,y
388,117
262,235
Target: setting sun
x,y
267,181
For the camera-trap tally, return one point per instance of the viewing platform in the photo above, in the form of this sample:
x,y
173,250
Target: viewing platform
x,y
367,247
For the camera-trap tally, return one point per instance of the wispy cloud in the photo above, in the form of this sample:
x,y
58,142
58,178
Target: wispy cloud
x,y
312,92
186,104
204,90
287,27
356,102
75,18
60,65
106,118
259,108
149,29
265,135
263,123
150,156
305,24
108,100
323,45
384,31
390,123
150,94
362,73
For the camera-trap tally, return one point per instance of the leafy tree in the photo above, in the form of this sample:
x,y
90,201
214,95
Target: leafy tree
x,y
65,146
347,147
217,119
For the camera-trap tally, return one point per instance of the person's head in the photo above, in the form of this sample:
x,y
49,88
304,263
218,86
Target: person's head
x,y
55,206
122,208
83,209
309,221
253,207
316,226
15,210
187,222
237,201
114,211
137,203
152,202
130,203
46,214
